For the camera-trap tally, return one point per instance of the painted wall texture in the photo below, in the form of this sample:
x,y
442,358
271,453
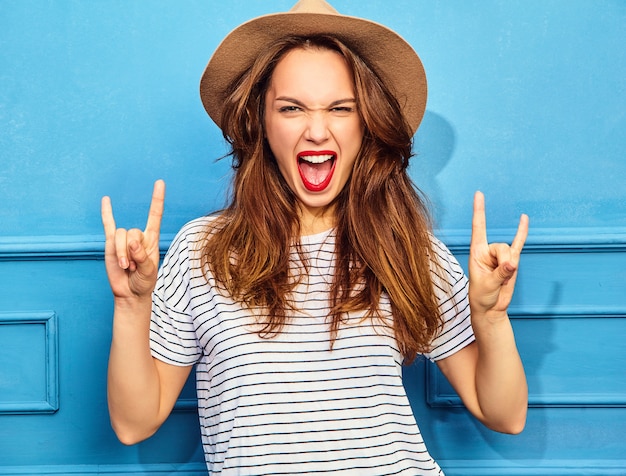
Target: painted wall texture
x,y
527,102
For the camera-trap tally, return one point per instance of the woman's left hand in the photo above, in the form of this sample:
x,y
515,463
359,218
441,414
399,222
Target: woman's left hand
x,y
492,267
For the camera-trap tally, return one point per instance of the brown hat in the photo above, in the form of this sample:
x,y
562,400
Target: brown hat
x,y
383,49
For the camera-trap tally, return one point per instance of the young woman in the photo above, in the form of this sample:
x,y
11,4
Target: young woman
x,y
299,303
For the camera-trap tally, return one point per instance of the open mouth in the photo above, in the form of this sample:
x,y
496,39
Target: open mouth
x,y
316,169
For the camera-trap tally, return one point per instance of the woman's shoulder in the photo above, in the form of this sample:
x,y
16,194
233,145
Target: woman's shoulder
x,y
194,232
200,225
444,259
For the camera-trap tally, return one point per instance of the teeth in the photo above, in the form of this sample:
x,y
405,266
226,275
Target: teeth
x,y
316,159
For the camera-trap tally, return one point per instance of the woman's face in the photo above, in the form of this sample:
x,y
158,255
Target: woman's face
x,y
313,127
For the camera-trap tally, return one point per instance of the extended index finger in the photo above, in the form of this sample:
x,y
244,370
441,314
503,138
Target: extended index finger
x,y
156,207
479,221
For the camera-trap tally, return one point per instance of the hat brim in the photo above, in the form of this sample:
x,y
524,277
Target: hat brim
x,y
383,49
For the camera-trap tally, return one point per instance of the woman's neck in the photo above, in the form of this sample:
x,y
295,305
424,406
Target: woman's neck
x,y
314,222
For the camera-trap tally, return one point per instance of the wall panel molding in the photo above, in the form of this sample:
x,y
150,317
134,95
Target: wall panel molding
x,y
546,240
59,247
564,240
51,247
440,394
29,380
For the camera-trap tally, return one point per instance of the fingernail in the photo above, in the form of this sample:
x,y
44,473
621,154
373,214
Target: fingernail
x,y
123,263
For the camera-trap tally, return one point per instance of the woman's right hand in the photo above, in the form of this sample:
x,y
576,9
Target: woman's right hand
x,y
132,256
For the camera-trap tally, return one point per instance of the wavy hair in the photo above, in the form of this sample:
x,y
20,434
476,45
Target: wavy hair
x,y
383,228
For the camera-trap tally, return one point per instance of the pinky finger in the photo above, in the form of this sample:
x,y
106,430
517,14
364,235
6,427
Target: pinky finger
x,y
108,221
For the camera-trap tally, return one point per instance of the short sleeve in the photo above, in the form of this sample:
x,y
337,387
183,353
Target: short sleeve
x,y
172,330
451,286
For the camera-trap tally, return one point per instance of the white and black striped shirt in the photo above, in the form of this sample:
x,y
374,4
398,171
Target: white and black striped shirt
x,y
288,404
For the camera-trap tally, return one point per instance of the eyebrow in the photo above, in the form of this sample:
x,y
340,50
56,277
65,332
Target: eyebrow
x,y
300,103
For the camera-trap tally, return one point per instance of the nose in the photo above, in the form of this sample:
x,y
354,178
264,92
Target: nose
x,y
317,130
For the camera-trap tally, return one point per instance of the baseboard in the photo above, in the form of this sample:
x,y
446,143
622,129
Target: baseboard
x,y
182,469
586,467
451,468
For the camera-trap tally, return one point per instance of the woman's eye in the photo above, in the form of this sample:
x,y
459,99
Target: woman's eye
x,y
343,109
289,109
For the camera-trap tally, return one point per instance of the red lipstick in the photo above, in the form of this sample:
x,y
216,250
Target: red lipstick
x,y
316,168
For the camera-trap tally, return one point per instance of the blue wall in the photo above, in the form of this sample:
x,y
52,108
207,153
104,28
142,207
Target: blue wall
x,y
527,102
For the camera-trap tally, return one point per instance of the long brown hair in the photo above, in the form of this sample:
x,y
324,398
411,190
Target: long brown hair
x,y
383,229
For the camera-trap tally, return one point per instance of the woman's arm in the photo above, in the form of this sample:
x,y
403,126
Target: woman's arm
x,y
488,375
141,390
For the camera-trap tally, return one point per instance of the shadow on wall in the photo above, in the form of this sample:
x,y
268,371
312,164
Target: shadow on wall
x,y
535,338
433,147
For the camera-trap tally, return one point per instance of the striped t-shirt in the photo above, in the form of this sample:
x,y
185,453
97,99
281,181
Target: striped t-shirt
x,y
289,404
